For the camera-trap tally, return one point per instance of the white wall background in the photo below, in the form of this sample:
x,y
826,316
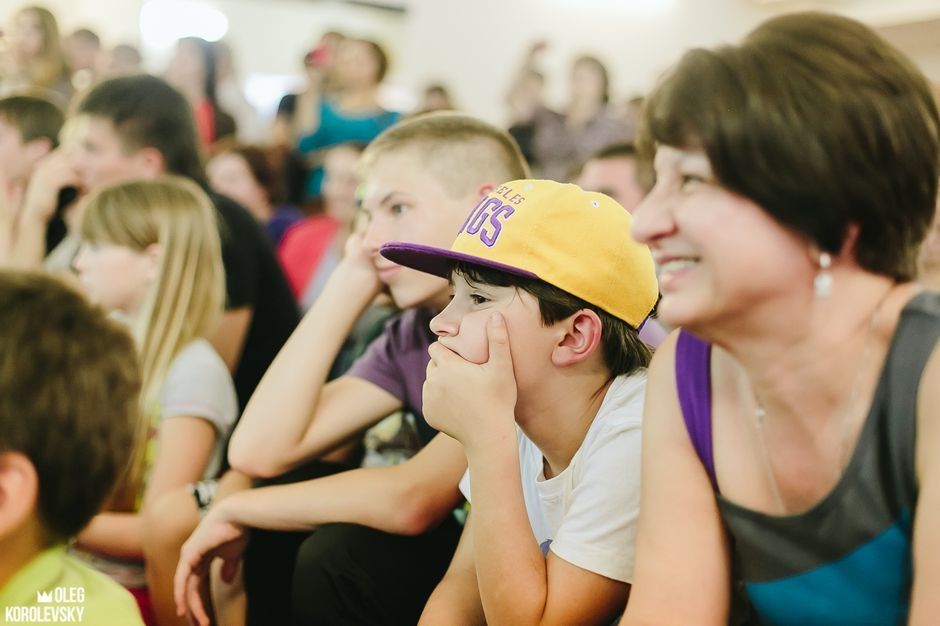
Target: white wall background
x,y
475,46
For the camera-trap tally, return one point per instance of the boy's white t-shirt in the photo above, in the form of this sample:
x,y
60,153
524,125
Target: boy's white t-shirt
x,y
587,514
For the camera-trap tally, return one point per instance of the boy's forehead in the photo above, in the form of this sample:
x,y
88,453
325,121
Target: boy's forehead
x,y
394,173
6,124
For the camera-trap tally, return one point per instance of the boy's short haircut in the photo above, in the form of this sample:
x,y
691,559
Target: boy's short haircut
x,y
624,352
460,151
148,113
35,117
69,386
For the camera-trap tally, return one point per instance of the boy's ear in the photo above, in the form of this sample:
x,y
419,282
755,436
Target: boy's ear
x,y
582,336
19,491
150,162
485,189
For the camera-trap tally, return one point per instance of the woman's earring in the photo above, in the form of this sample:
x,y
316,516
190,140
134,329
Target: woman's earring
x,y
822,284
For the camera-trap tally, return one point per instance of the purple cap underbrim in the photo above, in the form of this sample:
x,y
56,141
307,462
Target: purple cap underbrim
x,y
440,262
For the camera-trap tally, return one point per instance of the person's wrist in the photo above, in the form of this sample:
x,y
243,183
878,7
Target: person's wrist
x,y
358,278
37,211
492,436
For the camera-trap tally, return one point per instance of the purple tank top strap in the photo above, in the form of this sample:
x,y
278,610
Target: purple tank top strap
x,y
693,383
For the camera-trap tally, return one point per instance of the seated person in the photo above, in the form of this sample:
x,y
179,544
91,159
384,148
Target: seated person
x,y
151,254
69,387
29,131
420,178
539,372
247,175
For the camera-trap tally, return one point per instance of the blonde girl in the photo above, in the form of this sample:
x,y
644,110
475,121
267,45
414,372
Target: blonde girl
x,y
151,254
36,61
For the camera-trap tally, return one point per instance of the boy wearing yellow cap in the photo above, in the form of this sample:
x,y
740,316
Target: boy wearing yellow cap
x,y
539,372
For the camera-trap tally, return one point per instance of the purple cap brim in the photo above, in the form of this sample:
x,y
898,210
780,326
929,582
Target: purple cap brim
x,y
440,262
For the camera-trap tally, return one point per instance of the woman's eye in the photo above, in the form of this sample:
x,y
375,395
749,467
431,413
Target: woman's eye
x,y
398,209
478,299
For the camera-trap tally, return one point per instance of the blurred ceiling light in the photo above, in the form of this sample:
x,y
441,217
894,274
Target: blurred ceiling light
x,y
163,22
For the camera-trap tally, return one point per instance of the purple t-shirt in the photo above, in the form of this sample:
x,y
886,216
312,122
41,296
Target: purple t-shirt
x,y
397,361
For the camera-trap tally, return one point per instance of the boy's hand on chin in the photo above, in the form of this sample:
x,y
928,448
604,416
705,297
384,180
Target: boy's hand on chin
x,y
472,403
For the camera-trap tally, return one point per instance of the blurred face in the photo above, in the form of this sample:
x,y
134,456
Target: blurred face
x,y
719,253
14,166
340,182
436,100
356,64
116,277
614,177
26,37
101,159
187,67
230,175
403,203
461,327
586,81
81,53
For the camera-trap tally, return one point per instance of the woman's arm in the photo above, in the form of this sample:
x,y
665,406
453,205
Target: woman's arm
x,y
682,573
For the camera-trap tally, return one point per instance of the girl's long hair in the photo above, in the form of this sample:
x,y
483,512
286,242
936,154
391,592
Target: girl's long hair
x,y
49,67
185,300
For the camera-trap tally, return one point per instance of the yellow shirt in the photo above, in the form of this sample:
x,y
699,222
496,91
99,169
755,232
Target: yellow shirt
x,y
56,588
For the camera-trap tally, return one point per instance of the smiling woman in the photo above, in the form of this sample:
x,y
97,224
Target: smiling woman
x,y
796,177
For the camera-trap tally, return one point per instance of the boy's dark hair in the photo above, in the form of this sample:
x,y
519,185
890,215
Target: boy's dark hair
x,y
36,118
148,113
69,387
623,350
831,127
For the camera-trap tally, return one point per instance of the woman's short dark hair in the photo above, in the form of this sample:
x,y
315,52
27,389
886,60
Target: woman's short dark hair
x,y
623,350
819,121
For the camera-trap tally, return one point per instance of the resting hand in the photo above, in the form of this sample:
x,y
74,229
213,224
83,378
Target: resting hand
x,y
471,402
214,537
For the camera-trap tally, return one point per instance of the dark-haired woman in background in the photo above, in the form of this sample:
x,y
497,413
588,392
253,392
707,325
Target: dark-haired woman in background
x,y
192,71
792,446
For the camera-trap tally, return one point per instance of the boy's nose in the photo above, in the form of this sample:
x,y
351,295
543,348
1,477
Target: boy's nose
x,y
444,324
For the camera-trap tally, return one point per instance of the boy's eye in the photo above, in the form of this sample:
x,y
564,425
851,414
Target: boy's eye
x,y
690,181
398,209
478,299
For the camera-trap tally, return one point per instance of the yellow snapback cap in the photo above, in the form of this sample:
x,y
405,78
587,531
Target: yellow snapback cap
x,y
575,240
